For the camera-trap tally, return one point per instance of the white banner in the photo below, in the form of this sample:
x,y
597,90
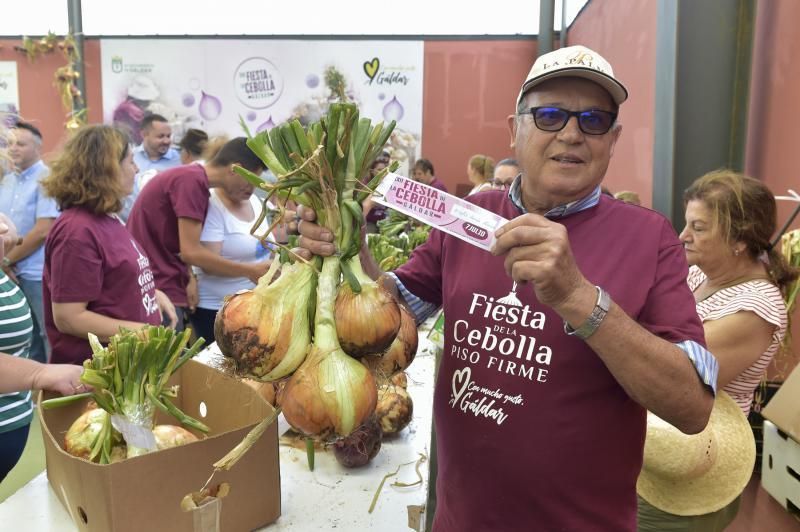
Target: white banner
x,y
9,88
211,84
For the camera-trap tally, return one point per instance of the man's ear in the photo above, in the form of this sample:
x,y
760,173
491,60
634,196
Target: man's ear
x,y
615,132
512,129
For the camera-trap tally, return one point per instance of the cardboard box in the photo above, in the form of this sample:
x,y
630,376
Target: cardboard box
x,y
145,492
784,408
780,467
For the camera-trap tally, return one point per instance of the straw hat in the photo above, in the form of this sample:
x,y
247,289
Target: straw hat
x,y
701,473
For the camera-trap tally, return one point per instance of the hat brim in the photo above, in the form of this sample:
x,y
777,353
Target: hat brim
x,y
616,89
725,479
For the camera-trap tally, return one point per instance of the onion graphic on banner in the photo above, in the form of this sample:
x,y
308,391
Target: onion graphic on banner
x,y
210,106
393,110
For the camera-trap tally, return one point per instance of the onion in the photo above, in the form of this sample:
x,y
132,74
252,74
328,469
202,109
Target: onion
x,y
169,436
85,431
366,322
267,329
361,446
401,352
267,390
395,408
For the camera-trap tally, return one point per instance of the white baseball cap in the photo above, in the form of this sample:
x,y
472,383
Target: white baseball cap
x,y
578,62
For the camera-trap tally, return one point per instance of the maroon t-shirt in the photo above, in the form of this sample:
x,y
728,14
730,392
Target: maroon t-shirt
x,y
533,431
93,258
180,192
437,183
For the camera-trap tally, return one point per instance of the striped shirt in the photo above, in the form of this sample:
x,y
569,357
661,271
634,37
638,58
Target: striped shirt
x,y
758,296
16,409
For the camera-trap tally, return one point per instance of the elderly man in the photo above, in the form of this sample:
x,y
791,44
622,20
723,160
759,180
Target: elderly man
x,y
548,370
505,172
22,199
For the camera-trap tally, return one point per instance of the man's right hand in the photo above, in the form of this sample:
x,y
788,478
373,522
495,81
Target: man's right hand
x,y
314,239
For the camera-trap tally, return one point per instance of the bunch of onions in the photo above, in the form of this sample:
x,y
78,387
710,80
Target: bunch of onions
x,y
129,380
267,329
331,393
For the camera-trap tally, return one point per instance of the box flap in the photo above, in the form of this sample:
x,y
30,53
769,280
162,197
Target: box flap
x,y
784,408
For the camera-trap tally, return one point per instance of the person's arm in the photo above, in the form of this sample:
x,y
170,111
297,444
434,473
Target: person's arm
x,y
195,254
20,374
76,320
166,308
654,372
32,241
737,341
9,235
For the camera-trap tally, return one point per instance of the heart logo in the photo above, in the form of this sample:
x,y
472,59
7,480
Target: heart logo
x,y
371,68
460,383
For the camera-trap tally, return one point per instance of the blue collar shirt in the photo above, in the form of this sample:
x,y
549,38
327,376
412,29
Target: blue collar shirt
x,y
23,200
169,160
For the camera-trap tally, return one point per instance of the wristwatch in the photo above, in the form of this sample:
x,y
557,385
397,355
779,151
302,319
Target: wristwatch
x,y
595,318
6,262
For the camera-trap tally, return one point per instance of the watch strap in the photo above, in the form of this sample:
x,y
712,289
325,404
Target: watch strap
x,y
588,327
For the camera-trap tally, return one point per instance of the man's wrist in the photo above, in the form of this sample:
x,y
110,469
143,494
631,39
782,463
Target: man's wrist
x,y
588,327
7,262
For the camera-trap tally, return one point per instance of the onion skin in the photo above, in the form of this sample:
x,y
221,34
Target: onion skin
x,y
267,390
366,323
266,330
81,434
402,350
395,408
169,436
331,393
361,446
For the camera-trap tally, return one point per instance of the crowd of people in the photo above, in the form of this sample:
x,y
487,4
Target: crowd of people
x,y
620,315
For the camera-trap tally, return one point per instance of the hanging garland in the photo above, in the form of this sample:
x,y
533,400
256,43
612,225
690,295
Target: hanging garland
x,y
65,77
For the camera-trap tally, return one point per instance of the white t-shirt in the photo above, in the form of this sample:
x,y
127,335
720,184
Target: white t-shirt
x,y
237,245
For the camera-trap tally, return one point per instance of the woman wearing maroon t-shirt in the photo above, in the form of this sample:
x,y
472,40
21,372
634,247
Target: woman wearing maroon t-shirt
x,y
96,278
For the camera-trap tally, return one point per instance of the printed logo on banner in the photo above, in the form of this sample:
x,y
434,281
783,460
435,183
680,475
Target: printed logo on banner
x,y
116,64
257,82
395,75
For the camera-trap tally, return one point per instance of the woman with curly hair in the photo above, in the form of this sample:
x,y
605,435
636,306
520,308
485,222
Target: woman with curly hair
x,y
96,278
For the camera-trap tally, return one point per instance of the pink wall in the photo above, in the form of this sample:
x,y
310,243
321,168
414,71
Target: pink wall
x,y
773,117
470,89
624,32
40,103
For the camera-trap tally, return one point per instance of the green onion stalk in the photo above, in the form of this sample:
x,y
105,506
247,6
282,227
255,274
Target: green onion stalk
x,y
130,378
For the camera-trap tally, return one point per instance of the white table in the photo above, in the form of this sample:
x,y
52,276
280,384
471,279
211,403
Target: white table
x,y
330,497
